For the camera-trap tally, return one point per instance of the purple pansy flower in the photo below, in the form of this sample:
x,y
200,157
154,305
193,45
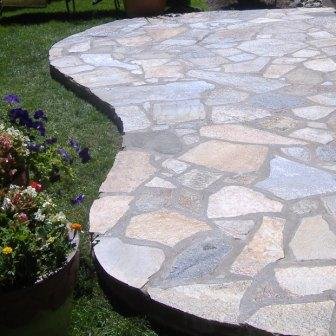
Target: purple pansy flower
x,y
75,145
65,155
84,155
34,147
78,199
39,126
40,114
11,99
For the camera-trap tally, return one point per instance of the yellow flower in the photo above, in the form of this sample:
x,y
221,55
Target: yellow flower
x,y
7,250
75,226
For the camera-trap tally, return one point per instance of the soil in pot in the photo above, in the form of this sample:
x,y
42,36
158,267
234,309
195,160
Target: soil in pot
x,y
144,7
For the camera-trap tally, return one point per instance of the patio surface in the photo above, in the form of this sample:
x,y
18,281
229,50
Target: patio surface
x,y
219,214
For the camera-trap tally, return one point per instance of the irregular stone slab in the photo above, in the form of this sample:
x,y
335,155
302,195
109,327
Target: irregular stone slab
x,y
313,134
198,260
327,98
277,70
327,152
154,199
105,212
128,95
106,60
130,264
104,77
131,168
330,204
299,153
174,112
265,247
305,207
241,133
291,180
214,302
302,319
225,95
198,179
164,227
313,112
228,157
133,118
307,280
224,114
175,165
158,182
243,82
304,76
276,101
191,201
233,201
238,229
323,65
314,240
280,124
271,47
247,67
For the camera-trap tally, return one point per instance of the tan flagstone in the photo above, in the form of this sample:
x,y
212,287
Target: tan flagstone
x,y
302,319
164,227
131,168
314,240
233,201
106,211
241,133
265,247
215,302
228,157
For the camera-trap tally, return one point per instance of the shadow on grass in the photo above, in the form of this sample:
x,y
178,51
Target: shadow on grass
x,y
40,17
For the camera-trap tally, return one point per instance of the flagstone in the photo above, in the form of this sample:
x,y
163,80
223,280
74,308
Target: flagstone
x,y
303,319
200,259
327,98
233,201
198,179
131,168
292,180
173,112
307,280
158,182
240,133
271,47
105,212
131,264
164,227
214,302
238,229
265,247
226,114
299,153
224,156
313,134
277,70
314,240
323,65
313,112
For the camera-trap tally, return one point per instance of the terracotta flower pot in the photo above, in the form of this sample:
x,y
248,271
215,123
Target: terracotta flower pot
x,y
144,7
43,309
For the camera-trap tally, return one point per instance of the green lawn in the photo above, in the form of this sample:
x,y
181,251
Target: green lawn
x,y
26,36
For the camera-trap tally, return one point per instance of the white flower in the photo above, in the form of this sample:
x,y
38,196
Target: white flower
x,y
7,204
39,216
2,127
30,191
59,217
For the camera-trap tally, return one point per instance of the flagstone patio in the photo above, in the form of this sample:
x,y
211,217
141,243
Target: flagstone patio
x,y
220,211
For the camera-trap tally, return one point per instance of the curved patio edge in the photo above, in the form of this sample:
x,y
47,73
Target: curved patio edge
x,y
205,220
